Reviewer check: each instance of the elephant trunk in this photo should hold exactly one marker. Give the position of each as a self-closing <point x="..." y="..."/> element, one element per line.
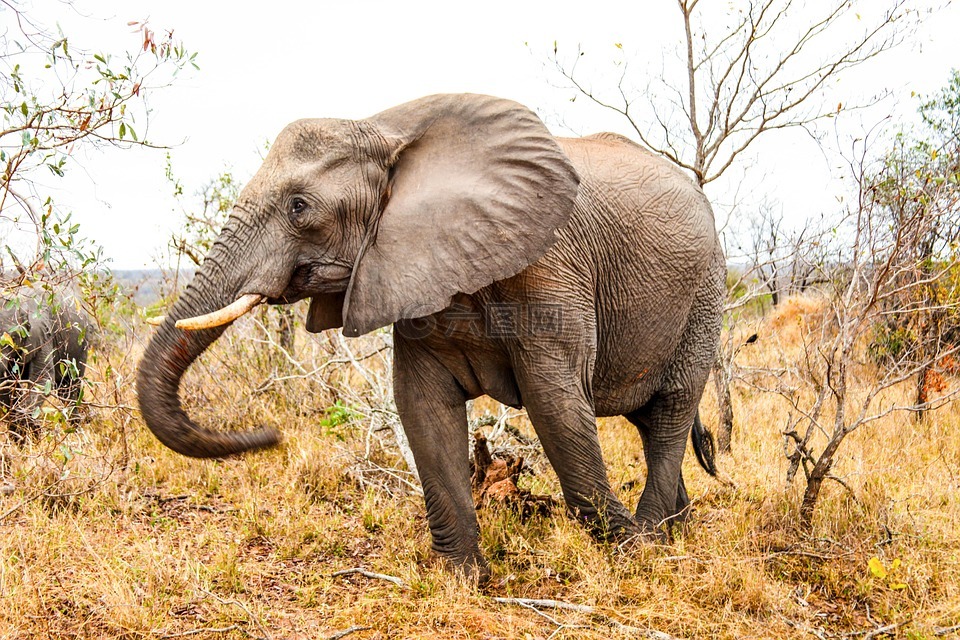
<point x="171" y="351"/>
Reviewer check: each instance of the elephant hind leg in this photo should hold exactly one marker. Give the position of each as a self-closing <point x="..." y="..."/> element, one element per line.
<point x="664" y="500"/>
<point x="668" y="417"/>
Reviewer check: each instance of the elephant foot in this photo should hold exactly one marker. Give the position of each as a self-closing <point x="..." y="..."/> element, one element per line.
<point x="654" y="518"/>
<point x="660" y="529"/>
<point x="472" y="568"/>
<point x="612" y="524"/>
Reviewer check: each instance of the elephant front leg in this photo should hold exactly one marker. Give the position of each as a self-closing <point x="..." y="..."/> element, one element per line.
<point x="12" y="399"/>
<point x="41" y="380"/>
<point x="432" y="408"/>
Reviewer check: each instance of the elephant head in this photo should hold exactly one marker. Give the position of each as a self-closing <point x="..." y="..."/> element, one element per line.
<point x="375" y="220"/>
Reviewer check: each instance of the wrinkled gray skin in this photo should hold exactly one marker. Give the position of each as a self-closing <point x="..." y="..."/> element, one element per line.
<point x="445" y="216"/>
<point x="48" y="334"/>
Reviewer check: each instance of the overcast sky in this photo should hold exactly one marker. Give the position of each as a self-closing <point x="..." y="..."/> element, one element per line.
<point x="264" y="66"/>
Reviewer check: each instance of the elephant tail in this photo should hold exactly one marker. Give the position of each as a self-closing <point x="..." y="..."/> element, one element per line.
<point x="703" y="446"/>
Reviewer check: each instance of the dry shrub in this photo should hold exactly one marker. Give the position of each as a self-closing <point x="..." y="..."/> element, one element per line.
<point x="795" y="318"/>
<point x="142" y="542"/>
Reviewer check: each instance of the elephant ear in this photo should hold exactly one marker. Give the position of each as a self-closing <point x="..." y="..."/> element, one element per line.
<point x="477" y="189"/>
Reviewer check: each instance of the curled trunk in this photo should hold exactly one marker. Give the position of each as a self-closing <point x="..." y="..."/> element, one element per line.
<point x="171" y="351"/>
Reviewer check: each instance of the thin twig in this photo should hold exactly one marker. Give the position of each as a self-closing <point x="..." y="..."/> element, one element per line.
<point x="802" y="554"/>
<point x="346" y="632"/>
<point x="884" y="630"/>
<point x="194" y="632"/>
<point x="250" y="617"/>
<point x="369" y="574"/>
<point x="534" y="604"/>
<point x="942" y="631"/>
<point x="33" y="496"/>
<point x="546" y="604"/>
<point x="560" y="626"/>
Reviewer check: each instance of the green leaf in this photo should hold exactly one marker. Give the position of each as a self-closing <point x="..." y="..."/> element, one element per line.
<point x="24" y="110"/>
<point x="123" y="130"/>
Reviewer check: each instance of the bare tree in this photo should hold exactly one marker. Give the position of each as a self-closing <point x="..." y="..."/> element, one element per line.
<point x="773" y="262"/>
<point x="833" y="387"/>
<point x="760" y="68"/>
<point x="765" y="70"/>
<point x="784" y="259"/>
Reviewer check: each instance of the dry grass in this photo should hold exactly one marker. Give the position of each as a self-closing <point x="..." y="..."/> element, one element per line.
<point x="108" y="534"/>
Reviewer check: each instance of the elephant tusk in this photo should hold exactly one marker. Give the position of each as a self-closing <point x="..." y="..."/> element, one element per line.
<point x="229" y="313"/>
<point x="155" y="321"/>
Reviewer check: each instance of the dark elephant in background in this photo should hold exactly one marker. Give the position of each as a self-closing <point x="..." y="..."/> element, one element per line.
<point x="574" y="277"/>
<point x="44" y="341"/>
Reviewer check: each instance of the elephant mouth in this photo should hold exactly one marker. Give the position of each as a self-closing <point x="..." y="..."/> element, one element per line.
<point x="312" y="279"/>
<point x="306" y="281"/>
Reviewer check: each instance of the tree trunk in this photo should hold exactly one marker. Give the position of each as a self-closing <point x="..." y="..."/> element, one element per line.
<point x="721" y="380"/>
<point x="923" y="389"/>
<point x="815" y="480"/>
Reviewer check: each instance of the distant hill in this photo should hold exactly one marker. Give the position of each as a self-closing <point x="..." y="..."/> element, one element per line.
<point x="146" y="285"/>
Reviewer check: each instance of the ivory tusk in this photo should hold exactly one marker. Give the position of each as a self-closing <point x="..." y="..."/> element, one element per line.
<point x="229" y="313"/>
<point x="156" y="321"/>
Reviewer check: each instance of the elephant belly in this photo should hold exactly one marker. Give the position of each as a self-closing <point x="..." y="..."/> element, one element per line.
<point x="631" y="368"/>
<point x="459" y="338"/>
<point x="639" y="331"/>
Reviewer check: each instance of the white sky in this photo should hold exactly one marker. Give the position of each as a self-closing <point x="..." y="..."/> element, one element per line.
<point x="266" y="65"/>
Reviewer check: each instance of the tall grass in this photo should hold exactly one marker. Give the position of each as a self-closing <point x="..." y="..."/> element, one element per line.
<point x="108" y="534"/>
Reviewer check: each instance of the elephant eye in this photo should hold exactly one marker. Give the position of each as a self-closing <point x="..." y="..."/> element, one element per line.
<point x="297" y="205"/>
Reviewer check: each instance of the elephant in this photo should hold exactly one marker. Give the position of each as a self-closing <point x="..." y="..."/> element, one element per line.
<point x="575" y="277"/>
<point x="45" y="340"/>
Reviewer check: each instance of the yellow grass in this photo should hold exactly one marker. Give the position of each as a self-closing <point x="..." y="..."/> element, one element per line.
<point x="108" y="534"/>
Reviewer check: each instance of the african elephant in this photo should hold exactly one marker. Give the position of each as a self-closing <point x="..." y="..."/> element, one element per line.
<point x="44" y="342"/>
<point x="574" y="277"/>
